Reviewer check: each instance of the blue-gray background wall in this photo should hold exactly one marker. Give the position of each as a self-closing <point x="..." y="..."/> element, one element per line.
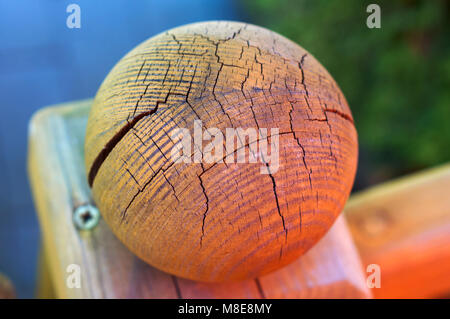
<point x="42" y="62"/>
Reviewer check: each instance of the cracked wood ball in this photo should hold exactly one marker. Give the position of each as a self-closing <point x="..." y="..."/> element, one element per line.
<point x="223" y="221"/>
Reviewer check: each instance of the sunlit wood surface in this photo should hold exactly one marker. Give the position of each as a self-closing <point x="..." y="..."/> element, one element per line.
<point x="220" y="221"/>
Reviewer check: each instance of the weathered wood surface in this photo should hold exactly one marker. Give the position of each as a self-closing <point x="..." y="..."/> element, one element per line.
<point x="331" y="269"/>
<point x="220" y="221"/>
<point x="404" y="226"/>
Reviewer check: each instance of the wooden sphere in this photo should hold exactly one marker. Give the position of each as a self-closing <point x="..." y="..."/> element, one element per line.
<point x="221" y="221"/>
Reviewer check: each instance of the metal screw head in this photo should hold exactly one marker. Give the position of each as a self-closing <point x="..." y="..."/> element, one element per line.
<point x="86" y="217"/>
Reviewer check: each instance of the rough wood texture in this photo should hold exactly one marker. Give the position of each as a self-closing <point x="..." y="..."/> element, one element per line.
<point x="217" y="222"/>
<point x="6" y="288"/>
<point x="331" y="269"/>
<point x="404" y="226"/>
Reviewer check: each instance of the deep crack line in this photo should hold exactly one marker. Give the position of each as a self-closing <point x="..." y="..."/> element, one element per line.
<point x="341" y="114"/>
<point x="300" y="145"/>
<point x="101" y="157"/>
<point x="300" y="66"/>
<point x="207" y="205"/>
<point x="107" y="149"/>
<point x="269" y="173"/>
<point x="274" y="185"/>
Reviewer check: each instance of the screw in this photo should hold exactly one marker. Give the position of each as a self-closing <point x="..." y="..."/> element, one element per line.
<point x="86" y="217"/>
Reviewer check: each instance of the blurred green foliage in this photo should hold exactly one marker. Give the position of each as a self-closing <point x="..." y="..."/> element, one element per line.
<point x="396" y="79"/>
